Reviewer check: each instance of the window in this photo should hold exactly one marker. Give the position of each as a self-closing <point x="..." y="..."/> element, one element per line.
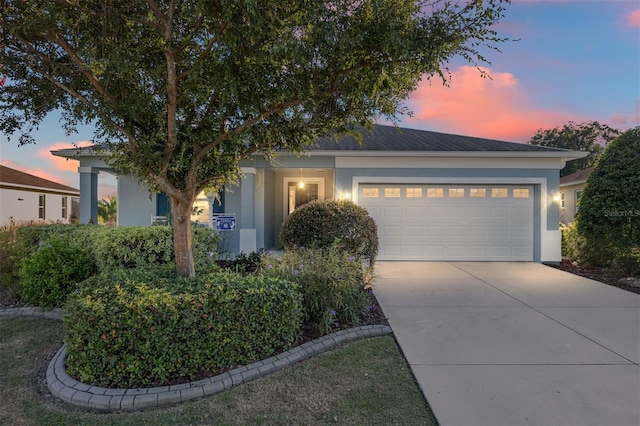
<point x="562" y="200"/>
<point x="414" y="192"/>
<point x="41" y="206"/>
<point x="498" y="192"/>
<point x="370" y="192"/>
<point x="392" y="192"/>
<point x="456" y="192"/>
<point x="521" y="193"/>
<point x="435" y="192"/>
<point x="478" y="192"/>
<point x="64" y="208"/>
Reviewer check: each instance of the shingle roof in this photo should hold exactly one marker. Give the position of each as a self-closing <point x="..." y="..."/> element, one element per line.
<point x="578" y="177"/>
<point x="16" y="177"/>
<point x="390" y="138"/>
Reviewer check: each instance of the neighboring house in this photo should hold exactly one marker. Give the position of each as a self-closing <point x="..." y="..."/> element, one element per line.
<point x="433" y="196"/>
<point x="28" y="198"/>
<point x="571" y="187"/>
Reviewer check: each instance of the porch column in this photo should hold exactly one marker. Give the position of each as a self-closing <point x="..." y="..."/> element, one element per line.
<point x="88" y="194"/>
<point x="247" y="208"/>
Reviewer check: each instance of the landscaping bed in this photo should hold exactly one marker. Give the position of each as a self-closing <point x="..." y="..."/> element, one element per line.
<point x="596" y="273"/>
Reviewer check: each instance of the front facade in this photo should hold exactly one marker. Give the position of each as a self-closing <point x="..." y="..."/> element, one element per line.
<point x="433" y="196"/>
<point x="28" y="198"/>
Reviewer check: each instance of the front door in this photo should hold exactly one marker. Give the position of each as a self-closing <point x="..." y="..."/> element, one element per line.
<point x="301" y="193"/>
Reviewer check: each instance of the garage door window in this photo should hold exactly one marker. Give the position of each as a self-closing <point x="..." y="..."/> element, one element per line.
<point x="414" y="192"/>
<point x="521" y="193"/>
<point x="392" y="192"/>
<point x="478" y="192"/>
<point x="371" y="192"/>
<point x="456" y="192"/>
<point x="435" y="193"/>
<point x="499" y="193"/>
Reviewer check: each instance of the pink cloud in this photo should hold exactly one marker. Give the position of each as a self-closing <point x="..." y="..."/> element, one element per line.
<point x="496" y="108"/>
<point x="632" y="20"/>
<point x="39" y="172"/>
<point x="60" y="163"/>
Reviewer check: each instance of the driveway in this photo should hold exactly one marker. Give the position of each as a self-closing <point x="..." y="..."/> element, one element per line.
<point x="497" y="343"/>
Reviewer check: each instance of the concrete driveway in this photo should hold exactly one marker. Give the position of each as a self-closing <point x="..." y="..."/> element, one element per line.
<point x="515" y="343"/>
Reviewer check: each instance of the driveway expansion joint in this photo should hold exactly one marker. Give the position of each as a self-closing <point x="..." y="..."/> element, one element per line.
<point x="74" y="392"/>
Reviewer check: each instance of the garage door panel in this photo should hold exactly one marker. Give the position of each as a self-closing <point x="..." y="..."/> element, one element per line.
<point x="432" y="224"/>
<point x="414" y="231"/>
<point x="392" y="211"/>
<point x="414" y="211"/>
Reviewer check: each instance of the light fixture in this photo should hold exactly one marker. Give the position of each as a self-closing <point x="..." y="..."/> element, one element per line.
<point x="555" y="196"/>
<point x="301" y="183"/>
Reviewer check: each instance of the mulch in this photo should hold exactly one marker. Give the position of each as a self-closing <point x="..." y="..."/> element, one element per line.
<point x="596" y="273"/>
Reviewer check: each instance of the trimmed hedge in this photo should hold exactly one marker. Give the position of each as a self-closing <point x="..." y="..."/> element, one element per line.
<point x="148" y="327"/>
<point x="323" y="224"/>
<point x="143" y="246"/>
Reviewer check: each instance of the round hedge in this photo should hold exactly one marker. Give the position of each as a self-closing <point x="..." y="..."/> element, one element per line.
<point x="323" y="224"/>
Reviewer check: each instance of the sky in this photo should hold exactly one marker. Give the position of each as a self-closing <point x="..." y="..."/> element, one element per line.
<point x="569" y="60"/>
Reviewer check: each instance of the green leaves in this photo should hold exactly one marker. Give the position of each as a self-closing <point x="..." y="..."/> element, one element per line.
<point x="181" y="92"/>
<point x="147" y="328"/>
<point x="610" y="204"/>
<point x="592" y="137"/>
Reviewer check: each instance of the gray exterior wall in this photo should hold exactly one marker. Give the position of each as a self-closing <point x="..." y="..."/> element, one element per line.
<point x="136" y="205"/>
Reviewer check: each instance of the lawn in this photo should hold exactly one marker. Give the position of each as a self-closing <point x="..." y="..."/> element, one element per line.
<point x="363" y="383"/>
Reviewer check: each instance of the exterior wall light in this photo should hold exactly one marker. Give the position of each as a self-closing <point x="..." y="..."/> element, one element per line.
<point x="555" y="196"/>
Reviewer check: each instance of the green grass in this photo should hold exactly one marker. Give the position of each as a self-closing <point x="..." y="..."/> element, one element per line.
<point x="363" y="383"/>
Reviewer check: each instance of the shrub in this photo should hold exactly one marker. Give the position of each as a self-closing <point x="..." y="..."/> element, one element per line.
<point x="49" y="275"/>
<point x="320" y="224"/>
<point x="12" y="252"/>
<point x="576" y="247"/>
<point x="146" y="327"/>
<point x="333" y="285"/>
<point x="142" y="246"/>
<point x="243" y="263"/>
<point x="32" y="236"/>
<point x="610" y="204"/>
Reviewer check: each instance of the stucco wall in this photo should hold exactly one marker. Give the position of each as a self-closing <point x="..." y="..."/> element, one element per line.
<point x="136" y="205"/>
<point x="22" y="206"/>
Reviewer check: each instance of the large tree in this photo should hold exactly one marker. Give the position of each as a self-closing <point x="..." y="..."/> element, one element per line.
<point x="591" y="137"/>
<point x="181" y="91"/>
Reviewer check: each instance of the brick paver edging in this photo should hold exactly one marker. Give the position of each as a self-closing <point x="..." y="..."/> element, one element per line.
<point x="70" y="390"/>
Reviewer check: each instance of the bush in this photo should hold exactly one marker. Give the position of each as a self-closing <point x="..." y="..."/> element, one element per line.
<point x="12" y="252"/>
<point x="576" y="247"/>
<point x="322" y="224"/>
<point x="32" y="236"/>
<point x="148" y="327"/>
<point x="50" y="274"/>
<point x="333" y="285"/>
<point x="143" y="246"/>
<point x="610" y="202"/>
<point x="609" y="215"/>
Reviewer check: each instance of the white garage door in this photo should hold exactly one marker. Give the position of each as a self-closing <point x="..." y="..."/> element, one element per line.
<point x="451" y="222"/>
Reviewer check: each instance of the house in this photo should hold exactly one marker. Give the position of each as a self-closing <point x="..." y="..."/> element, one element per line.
<point x="571" y="187"/>
<point x="28" y="198"/>
<point x="434" y="196"/>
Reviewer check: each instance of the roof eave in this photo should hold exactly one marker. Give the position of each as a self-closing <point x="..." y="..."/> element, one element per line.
<point x="566" y="155"/>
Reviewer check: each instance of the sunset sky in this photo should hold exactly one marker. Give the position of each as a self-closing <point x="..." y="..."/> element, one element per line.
<point x="575" y="60"/>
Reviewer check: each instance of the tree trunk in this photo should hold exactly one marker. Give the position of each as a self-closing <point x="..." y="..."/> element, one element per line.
<point x="182" y="238"/>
